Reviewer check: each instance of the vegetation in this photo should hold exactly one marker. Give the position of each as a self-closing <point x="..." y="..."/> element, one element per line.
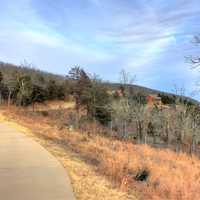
<point x="90" y="94"/>
<point x="107" y="122"/>
<point x="61" y="85"/>
<point x="24" y="86"/>
<point x="141" y="172"/>
<point x="123" y="112"/>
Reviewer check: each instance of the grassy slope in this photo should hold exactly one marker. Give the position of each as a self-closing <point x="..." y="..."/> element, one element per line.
<point x="87" y="183"/>
<point x="99" y="165"/>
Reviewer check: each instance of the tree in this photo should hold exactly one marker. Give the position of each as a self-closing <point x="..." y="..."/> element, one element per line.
<point x="39" y="94"/>
<point x="123" y="107"/>
<point x="166" y="99"/>
<point x="126" y="81"/>
<point x="24" y="90"/>
<point x="67" y="88"/>
<point x="12" y="89"/>
<point x="1" y="77"/>
<point x="1" y="86"/>
<point x="121" y="116"/>
<point x="52" y="89"/>
<point x="90" y="94"/>
<point x="81" y="85"/>
<point x="61" y="92"/>
<point x="98" y="102"/>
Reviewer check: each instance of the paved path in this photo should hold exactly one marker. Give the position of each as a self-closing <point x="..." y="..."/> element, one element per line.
<point x="28" y="171"/>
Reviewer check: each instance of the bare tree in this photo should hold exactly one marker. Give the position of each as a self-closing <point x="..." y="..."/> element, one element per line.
<point x="122" y="115"/>
<point x="1" y="86"/>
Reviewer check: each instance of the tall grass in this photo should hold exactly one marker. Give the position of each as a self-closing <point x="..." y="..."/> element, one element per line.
<point x="153" y="173"/>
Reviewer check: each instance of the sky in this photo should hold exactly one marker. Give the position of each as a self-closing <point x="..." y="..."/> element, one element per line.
<point x="150" y="39"/>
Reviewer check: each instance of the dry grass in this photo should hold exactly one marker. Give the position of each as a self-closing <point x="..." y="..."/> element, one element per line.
<point x="169" y="175"/>
<point x="52" y="105"/>
<point x="86" y="182"/>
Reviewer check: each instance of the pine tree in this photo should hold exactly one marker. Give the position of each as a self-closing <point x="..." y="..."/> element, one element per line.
<point x="81" y="85"/>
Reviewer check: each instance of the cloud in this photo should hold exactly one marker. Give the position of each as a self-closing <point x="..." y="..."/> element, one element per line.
<point x="36" y="37"/>
<point x="142" y="36"/>
<point x="95" y="2"/>
<point x="149" y="52"/>
<point x="151" y="21"/>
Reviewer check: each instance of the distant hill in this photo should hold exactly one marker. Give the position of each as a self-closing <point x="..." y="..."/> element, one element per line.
<point x="141" y="90"/>
<point x="10" y="70"/>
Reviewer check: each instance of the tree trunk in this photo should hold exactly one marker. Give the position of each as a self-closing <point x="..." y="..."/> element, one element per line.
<point x="140" y="131"/>
<point x="33" y="106"/>
<point x="77" y="113"/>
<point x="178" y="145"/>
<point x="9" y="98"/>
<point x="125" y="129"/>
<point x="193" y="145"/>
<point x="111" y="126"/>
<point x="0" y="98"/>
<point x="145" y="138"/>
<point x="154" y="137"/>
<point x="77" y="118"/>
<point x="167" y="136"/>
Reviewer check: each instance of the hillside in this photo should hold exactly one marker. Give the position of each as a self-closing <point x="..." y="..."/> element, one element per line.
<point x="37" y="75"/>
<point x="9" y="70"/>
<point x="146" y="151"/>
<point x="141" y="90"/>
<point x="110" y="169"/>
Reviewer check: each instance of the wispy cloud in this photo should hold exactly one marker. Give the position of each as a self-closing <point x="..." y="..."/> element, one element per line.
<point x="104" y="35"/>
<point x="96" y="2"/>
<point x="149" y="53"/>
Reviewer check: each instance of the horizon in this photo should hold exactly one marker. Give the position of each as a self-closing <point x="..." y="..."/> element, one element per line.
<point x="180" y="92"/>
<point x="104" y="37"/>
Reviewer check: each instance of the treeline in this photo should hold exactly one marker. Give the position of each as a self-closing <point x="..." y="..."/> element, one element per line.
<point x="21" y="90"/>
<point x="143" y="92"/>
<point x="53" y="86"/>
<point x="23" y="86"/>
<point x="123" y="112"/>
<point x="175" y="126"/>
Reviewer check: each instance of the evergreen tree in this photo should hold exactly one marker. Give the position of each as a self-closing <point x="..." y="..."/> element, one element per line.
<point x="98" y="102"/>
<point x="90" y="94"/>
<point x="52" y="90"/>
<point x="81" y="85"/>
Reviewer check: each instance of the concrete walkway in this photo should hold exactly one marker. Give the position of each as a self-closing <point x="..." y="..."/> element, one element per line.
<point x="28" y="171"/>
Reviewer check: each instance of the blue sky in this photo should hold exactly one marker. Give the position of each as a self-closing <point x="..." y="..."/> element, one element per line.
<point x="148" y="38"/>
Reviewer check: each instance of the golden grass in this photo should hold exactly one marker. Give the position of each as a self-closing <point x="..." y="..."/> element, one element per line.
<point x="52" y="105"/>
<point x="89" y="159"/>
<point x="87" y="183"/>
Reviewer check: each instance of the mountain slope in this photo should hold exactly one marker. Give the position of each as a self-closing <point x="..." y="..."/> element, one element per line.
<point x="9" y="70"/>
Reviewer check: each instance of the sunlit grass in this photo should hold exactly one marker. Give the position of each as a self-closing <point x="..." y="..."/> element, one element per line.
<point x="92" y="160"/>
